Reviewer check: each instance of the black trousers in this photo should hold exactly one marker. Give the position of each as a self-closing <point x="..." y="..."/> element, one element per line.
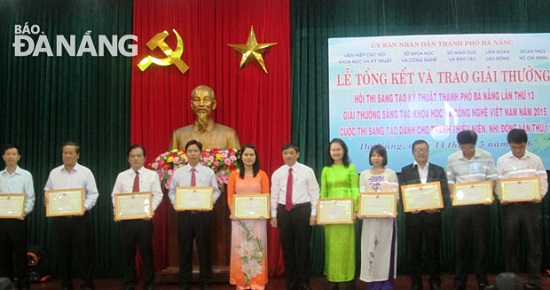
<point x="74" y="234"/>
<point x="295" y="233"/>
<point x="194" y="226"/>
<point x="472" y="228"/>
<point x="137" y="234"/>
<point x="424" y="227"/>
<point x="13" y="244"/>
<point x="522" y="221"/>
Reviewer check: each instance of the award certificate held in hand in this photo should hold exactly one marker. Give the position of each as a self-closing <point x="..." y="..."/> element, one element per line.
<point x="133" y="206"/>
<point x="378" y="204"/>
<point x="65" y="202"/>
<point x="335" y="211"/>
<point x="473" y="193"/>
<point x="12" y="205"/>
<point x="251" y="206"/>
<point x="520" y="189"/>
<point x="194" y="198"/>
<point x="422" y="196"/>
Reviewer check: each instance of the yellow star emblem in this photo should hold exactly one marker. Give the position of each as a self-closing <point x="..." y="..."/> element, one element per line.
<point x="252" y="50"/>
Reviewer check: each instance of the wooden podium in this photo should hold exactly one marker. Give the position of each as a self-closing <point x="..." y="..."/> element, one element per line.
<point x="220" y="250"/>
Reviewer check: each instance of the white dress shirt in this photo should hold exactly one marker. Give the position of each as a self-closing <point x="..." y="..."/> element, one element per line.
<point x="20" y="181"/>
<point x="79" y="177"/>
<point x="304" y="187"/>
<point x="204" y="176"/>
<point x="148" y="182"/>
<point x="422" y="172"/>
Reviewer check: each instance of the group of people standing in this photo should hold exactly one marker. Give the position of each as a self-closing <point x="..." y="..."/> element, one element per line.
<point x="472" y="223"/>
<point x="294" y="193"/>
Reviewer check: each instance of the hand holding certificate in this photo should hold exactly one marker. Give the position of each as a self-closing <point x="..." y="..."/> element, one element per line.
<point x="193" y="198"/>
<point x="378" y="204"/>
<point x="12" y="206"/>
<point x="251" y="206"/>
<point x="65" y="202"/>
<point x="525" y="189"/>
<point x="335" y="211"/>
<point x="473" y="193"/>
<point x="132" y="206"/>
<point x="426" y="196"/>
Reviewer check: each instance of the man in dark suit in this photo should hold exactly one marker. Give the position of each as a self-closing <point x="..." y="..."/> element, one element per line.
<point x="425" y="224"/>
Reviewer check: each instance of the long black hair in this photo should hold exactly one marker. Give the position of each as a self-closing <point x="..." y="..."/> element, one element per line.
<point x="255" y="166"/>
<point x="345" y="158"/>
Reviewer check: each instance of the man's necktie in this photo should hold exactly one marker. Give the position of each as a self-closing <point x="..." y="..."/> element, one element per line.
<point x="288" y="204"/>
<point x="193" y="177"/>
<point x="135" y="188"/>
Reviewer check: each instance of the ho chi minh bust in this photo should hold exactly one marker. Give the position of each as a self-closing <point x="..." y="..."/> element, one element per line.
<point x="205" y="130"/>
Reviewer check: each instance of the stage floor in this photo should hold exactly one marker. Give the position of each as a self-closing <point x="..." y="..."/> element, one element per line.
<point x="317" y="283"/>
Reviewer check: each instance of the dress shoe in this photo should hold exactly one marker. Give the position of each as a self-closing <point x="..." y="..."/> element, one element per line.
<point x="486" y="286"/>
<point x="435" y="286"/>
<point x="532" y="287"/>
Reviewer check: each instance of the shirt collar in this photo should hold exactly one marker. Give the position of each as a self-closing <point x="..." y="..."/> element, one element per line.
<point x="17" y="171"/>
<point x="416" y="165"/>
<point x="75" y="168"/>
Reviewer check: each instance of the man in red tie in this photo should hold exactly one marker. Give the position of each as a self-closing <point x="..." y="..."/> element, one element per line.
<point x="294" y="197"/>
<point x="194" y="225"/>
<point x="137" y="233"/>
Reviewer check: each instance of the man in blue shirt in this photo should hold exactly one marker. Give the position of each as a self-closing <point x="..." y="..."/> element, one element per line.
<point x="13" y="232"/>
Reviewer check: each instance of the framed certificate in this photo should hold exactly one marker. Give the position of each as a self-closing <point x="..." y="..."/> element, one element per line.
<point x="12" y="206"/>
<point x="133" y="206"/>
<point x="193" y="198"/>
<point x="473" y="193"/>
<point x="335" y="211"/>
<point x="251" y="206"/>
<point x="520" y="189"/>
<point x="422" y="196"/>
<point x="378" y="204"/>
<point x="65" y="202"/>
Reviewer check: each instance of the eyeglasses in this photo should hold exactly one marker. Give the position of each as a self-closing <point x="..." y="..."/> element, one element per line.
<point x="423" y="150"/>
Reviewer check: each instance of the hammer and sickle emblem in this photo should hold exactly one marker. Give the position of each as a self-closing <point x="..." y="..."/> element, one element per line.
<point x="172" y="57"/>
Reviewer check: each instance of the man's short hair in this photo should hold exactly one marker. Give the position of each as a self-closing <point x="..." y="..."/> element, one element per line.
<point x="136" y="146"/>
<point x="71" y="143"/>
<point x="10" y="146"/>
<point x="517" y="136"/>
<point x="466" y="137"/>
<point x="291" y="145"/>
<point x="418" y="142"/>
<point x="193" y="142"/>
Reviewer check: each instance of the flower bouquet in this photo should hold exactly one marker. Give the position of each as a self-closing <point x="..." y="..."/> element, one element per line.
<point x="221" y="161"/>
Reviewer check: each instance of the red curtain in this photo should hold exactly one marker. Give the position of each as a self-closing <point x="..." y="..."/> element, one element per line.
<point x="255" y="104"/>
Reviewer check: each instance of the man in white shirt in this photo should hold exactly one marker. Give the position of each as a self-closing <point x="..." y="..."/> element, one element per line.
<point x="294" y="197"/>
<point x="472" y="223"/>
<point x="521" y="220"/>
<point x="137" y="233"/>
<point x="74" y="230"/>
<point x="13" y="232"/>
<point x="194" y="225"/>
